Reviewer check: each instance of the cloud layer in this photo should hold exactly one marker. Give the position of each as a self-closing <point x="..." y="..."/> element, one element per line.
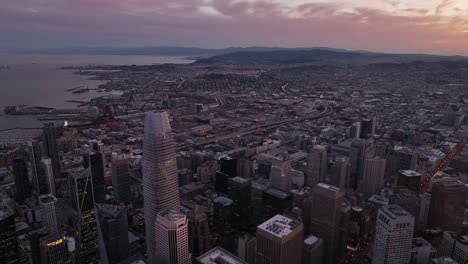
<point x="386" y="25"/>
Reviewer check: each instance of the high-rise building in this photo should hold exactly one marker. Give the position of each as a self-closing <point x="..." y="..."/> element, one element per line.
<point x="240" y="192"/>
<point x="359" y="227"/>
<point x="48" y="203"/>
<point x="421" y="251"/>
<point x="35" y="157"/>
<point x="223" y="214"/>
<point x="275" y="202"/>
<point x="247" y="248"/>
<point x="94" y="161"/>
<point x="82" y="198"/>
<point x="317" y="165"/>
<point x="280" y="177"/>
<point x="447" y="207"/>
<point x="367" y="128"/>
<point x="280" y="241"/>
<point x="340" y="172"/>
<point x="50" y="148"/>
<point x="373" y="176"/>
<point x="360" y="150"/>
<point x="48" y="171"/>
<point x="325" y="219"/>
<point x="8" y="239"/>
<point x="198" y="232"/>
<point x="312" y="252"/>
<point x="121" y="181"/>
<point x="355" y="131"/>
<point x="160" y="181"/>
<point x="54" y="249"/>
<point x="345" y="214"/>
<point x="455" y="246"/>
<point x="219" y="255"/>
<point x="20" y="171"/>
<point x="112" y="226"/>
<point x="443" y="260"/>
<point x="393" y="236"/>
<point x="409" y="179"/>
<point x="172" y="238"/>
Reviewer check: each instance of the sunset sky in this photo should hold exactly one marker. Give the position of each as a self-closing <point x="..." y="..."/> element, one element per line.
<point x="429" y="26"/>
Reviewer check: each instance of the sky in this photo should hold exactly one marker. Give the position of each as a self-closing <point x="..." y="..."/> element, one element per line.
<point x="404" y="26"/>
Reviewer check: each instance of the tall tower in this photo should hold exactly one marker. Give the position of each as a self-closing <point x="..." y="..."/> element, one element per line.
<point x="279" y="241"/>
<point x="373" y="176"/>
<point x="340" y="173"/>
<point x="112" y="225"/>
<point x="35" y="157"/>
<point x="48" y="203"/>
<point x="447" y="205"/>
<point x="198" y="232"/>
<point x="20" y="171"/>
<point x="121" y="181"/>
<point x="8" y="240"/>
<point x="172" y="236"/>
<point x="325" y="219"/>
<point x="50" y="147"/>
<point x="160" y="180"/>
<point x="96" y="165"/>
<point x="280" y="177"/>
<point x="393" y="235"/>
<point x="240" y="191"/>
<point x="53" y="248"/>
<point x="48" y="171"/>
<point x="317" y="166"/>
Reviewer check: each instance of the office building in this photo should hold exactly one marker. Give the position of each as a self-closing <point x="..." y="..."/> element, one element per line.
<point x="275" y="202"/>
<point x="112" y="227"/>
<point x="280" y="177"/>
<point x="240" y="192"/>
<point x="54" y="249"/>
<point x="373" y="176"/>
<point x="393" y="236"/>
<point x="8" y="239"/>
<point x="360" y="150"/>
<point x="223" y="215"/>
<point x="421" y="251"/>
<point x="443" y="260"/>
<point x="172" y="238"/>
<point x="94" y="161"/>
<point x="48" y="172"/>
<point x="198" y="232"/>
<point x="219" y="255"/>
<point x="280" y="241"/>
<point x="359" y="227"/>
<point x="409" y="179"/>
<point x="121" y="181"/>
<point x="247" y="248"/>
<point x="447" y="207"/>
<point x="50" y="148"/>
<point x="340" y="172"/>
<point x="38" y="181"/>
<point x="20" y="171"/>
<point x="325" y="219"/>
<point x="160" y="181"/>
<point x="48" y="204"/>
<point x="355" y="130"/>
<point x="317" y="165"/>
<point x="455" y="246"/>
<point x="345" y="214"/>
<point x="312" y="252"/>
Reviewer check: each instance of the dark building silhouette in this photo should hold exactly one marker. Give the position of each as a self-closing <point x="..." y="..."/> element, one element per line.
<point x="240" y="192"/>
<point x="95" y="162"/>
<point x="20" y="171"/>
<point x="8" y="240"/>
<point x="39" y="180"/>
<point x="198" y="233"/>
<point x="50" y="148"/>
<point x="222" y="223"/>
<point x="447" y="205"/>
<point x="275" y="202"/>
<point x="228" y="166"/>
<point x="221" y="182"/>
<point x="409" y="179"/>
<point x="112" y="225"/>
<point x="121" y="181"/>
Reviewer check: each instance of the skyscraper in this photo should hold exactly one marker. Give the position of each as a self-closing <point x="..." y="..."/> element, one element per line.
<point x="312" y="252"/>
<point x="325" y="219"/>
<point x="360" y="151"/>
<point x="393" y="236"/>
<point x="160" y="180"/>
<point x="48" y="171"/>
<point x="121" y="181"/>
<point x="240" y="192"/>
<point x="8" y="239"/>
<point x="38" y="180"/>
<point x="50" y="148"/>
<point x="53" y="248"/>
<point x="48" y="204"/>
<point x="94" y="161"/>
<point x="20" y="171"/>
<point x="223" y="222"/>
<point x="454" y="245"/>
<point x="447" y="205"/>
<point x="172" y="238"/>
<point x="317" y="165"/>
<point x="279" y="241"/>
<point x="198" y="232"/>
<point x="280" y="177"/>
<point x="219" y="255"/>
<point x="373" y="176"/>
<point x="112" y="226"/>
<point x="340" y="173"/>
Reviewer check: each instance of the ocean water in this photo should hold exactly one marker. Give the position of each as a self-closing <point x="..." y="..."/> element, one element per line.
<point x="38" y="80"/>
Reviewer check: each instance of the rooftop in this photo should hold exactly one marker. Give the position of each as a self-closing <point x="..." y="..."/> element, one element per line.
<point x="444" y="260"/>
<point x="311" y="240"/>
<point x="219" y="255"/>
<point x="5" y="212"/>
<point x="47" y="198"/>
<point x="223" y="200"/>
<point x="410" y="173"/>
<point x="239" y="179"/>
<point x="171" y="215"/>
<point x="279" y="225"/>
<point x="277" y="193"/>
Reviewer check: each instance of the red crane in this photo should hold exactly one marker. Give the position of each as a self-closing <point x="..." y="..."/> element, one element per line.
<point x="444" y="162"/>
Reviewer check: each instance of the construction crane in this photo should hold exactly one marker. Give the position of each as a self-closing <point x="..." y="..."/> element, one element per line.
<point x="444" y="162"/>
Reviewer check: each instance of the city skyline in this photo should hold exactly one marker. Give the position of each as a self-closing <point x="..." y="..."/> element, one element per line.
<point x="405" y="26"/>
